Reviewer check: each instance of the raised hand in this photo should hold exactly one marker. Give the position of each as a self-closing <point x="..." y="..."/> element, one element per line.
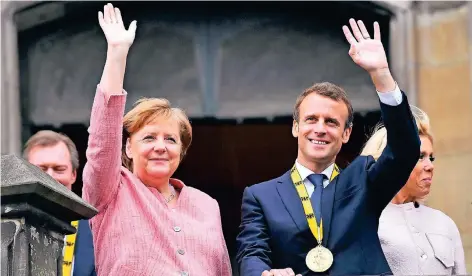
<point x="112" y="25"/>
<point x="366" y="52"/>
<point x="119" y="41"/>
<point x="369" y="54"/>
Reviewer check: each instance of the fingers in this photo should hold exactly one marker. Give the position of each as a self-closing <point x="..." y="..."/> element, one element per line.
<point x="281" y="272"/>
<point x="365" y="33"/>
<point x="376" y="31"/>
<point x="101" y="21"/>
<point x="360" y="31"/>
<point x="348" y="35"/>
<point x="289" y="272"/>
<point x="112" y="13"/>
<point x="132" y="27"/>
<point x="355" y="30"/>
<point x="119" y="20"/>
<point x="267" y="273"/>
<point x="106" y="14"/>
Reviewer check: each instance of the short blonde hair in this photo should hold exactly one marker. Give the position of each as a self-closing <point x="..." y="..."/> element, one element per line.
<point x="378" y="141"/>
<point x="147" y="110"/>
<point x="49" y="138"/>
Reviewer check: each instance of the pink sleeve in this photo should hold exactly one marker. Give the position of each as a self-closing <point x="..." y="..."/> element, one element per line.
<point x="102" y="171"/>
<point x="225" y="262"/>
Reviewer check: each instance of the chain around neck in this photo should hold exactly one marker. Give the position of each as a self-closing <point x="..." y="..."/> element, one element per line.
<point x="172" y="194"/>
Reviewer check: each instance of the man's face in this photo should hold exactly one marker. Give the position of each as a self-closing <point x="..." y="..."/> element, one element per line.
<point x="321" y="129"/>
<point x="55" y="161"/>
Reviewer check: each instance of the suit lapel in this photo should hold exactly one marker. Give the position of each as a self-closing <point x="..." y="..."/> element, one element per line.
<point x="327" y="209"/>
<point x="289" y="196"/>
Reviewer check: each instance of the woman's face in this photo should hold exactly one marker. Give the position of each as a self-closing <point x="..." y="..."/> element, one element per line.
<point x="155" y="150"/>
<point x="421" y="177"/>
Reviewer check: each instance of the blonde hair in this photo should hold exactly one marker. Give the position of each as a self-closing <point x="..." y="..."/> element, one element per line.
<point x="378" y="141"/>
<point x="49" y="138"/>
<point x="146" y="110"/>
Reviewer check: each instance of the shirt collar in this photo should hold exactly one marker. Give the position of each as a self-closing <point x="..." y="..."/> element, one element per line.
<point x="305" y="172"/>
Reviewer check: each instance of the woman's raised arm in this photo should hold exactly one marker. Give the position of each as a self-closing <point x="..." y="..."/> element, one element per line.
<point x="102" y="171"/>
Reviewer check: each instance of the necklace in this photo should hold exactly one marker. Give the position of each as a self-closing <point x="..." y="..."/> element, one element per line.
<point x="172" y="195"/>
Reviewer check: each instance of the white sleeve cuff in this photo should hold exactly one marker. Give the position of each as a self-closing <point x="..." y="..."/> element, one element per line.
<point x="392" y="98"/>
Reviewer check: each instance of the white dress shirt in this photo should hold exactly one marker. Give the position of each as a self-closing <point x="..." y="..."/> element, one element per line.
<point x="392" y="98"/>
<point x="305" y="172"/>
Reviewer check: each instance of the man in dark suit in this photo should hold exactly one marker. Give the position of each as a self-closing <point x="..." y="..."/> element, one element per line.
<point x="315" y="219"/>
<point x="57" y="155"/>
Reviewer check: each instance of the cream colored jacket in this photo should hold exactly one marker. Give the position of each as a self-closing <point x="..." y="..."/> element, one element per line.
<point x="420" y="241"/>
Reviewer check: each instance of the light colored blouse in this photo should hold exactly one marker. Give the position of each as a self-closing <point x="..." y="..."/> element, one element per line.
<point x="136" y="232"/>
<point x="420" y="241"/>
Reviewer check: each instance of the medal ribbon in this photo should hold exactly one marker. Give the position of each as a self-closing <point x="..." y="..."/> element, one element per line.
<point x="316" y="229"/>
<point x="69" y="251"/>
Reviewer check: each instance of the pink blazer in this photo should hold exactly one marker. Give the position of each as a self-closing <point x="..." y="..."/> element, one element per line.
<point x="135" y="232"/>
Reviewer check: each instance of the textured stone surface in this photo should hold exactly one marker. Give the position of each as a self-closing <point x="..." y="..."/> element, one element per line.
<point x="36" y="214"/>
<point x="444" y="91"/>
<point x="26" y="183"/>
<point x="30" y="250"/>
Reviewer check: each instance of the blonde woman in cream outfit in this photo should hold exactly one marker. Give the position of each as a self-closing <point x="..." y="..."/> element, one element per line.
<point x="416" y="239"/>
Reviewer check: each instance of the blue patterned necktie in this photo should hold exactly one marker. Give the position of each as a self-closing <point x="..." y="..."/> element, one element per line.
<point x="317" y="181"/>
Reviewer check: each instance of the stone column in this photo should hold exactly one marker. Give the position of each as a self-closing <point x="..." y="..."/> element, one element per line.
<point x="444" y="47"/>
<point x="36" y="215"/>
<point x="10" y="88"/>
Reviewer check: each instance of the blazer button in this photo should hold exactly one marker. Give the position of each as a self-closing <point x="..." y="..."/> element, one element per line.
<point x="177" y="229"/>
<point x="181" y="251"/>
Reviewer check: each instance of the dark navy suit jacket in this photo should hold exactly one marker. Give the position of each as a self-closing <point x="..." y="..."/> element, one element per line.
<point x="274" y="233"/>
<point x="84" y="261"/>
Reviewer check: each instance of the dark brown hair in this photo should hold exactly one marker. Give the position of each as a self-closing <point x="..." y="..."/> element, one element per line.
<point x="328" y="90"/>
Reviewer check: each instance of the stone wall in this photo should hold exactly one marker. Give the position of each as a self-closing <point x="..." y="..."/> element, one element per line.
<point x="443" y="45"/>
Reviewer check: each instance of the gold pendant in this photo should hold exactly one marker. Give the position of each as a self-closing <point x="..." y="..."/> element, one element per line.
<point x="319" y="259"/>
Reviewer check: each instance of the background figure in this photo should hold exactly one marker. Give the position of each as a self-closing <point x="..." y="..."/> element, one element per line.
<point x="57" y="155"/>
<point x="147" y="223"/>
<point x="416" y="239"/>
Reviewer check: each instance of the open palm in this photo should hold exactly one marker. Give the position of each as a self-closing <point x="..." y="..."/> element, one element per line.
<point x="366" y="52"/>
<point x="112" y="25"/>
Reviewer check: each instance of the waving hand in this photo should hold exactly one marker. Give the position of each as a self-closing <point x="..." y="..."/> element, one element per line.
<point x="112" y="25"/>
<point x="366" y="52"/>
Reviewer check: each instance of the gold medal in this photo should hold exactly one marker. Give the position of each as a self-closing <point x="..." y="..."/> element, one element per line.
<point x="319" y="259"/>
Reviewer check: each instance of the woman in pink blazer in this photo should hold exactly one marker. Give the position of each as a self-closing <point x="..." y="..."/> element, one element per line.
<point x="148" y="223"/>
